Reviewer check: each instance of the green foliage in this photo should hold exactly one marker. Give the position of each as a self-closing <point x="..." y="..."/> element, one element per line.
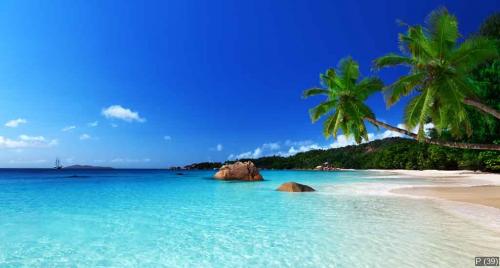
<point x="204" y="165"/>
<point x="344" y="106"/>
<point x="486" y="128"/>
<point x="440" y="73"/>
<point x="491" y="26"/>
<point x="390" y="153"/>
<point x="491" y="160"/>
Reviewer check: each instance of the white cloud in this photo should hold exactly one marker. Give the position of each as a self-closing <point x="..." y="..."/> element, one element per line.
<point x="304" y="148"/>
<point x="85" y="136"/>
<point x="250" y="154"/>
<point x="113" y="125"/>
<point x="298" y="143"/>
<point x="427" y="128"/>
<point x="25" y="141"/>
<point x="16" y="122"/>
<point x="271" y="146"/>
<point x="68" y="128"/>
<point x="342" y="141"/>
<point x="219" y="147"/>
<point x="93" y="124"/>
<point x="290" y="147"/>
<point x="167" y="138"/>
<point x="119" y="112"/>
<point x="31" y="138"/>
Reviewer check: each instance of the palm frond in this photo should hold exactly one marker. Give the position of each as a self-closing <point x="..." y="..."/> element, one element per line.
<point x="414" y="111"/>
<point x="329" y="124"/>
<point x="349" y="71"/>
<point x="368" y="86"/>
<point x="473" y="52"/>
<point x="416" y="43"/>
<point x="321" y="109"/>
<point x="365" y="111"/>
<point x="314" y="92"/>
<point x="454" y="94"/>
<point x="338" y="123"/>
<point x="443" y="30"/>
<point x="327" y="79"/>
<point x="425" y="111"/>
<point x="390" y="60"/>
<point x="402" y="87"/>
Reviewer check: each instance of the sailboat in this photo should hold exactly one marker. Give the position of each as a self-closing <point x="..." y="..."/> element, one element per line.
<point x="58" y="164"/>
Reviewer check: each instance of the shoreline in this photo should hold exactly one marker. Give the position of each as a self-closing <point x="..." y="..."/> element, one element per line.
<point x="467" y="186"/>
<point x="486" y="195"/>
<point x="474" y="196"/>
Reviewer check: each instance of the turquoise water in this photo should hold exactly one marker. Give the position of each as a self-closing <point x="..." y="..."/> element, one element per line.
<point x="159" y="219"/>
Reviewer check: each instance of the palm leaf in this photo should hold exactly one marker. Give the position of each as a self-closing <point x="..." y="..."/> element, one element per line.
<point x="443" y="29"/>
<point x="413" y="111"/>
<point x="390" y="60"/>
<point x="473" y="52"/>
<point x="416" y="43"/>
<point x="314" y="92"/>
<point x="329" y="124"/>
<point x="349" y="72"/>
<point x="425" y="111"/>
<point x="402" y="87"/>
<point x="322" y="109"/>
<point x="338" y="123"/>
<point x="368" y="86"/>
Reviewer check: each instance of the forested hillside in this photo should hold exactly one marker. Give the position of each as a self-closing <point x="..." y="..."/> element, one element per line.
<point x="390" y="153"/>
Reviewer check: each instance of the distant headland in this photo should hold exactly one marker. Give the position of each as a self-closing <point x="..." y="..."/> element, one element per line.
<point x="86" y="167"/>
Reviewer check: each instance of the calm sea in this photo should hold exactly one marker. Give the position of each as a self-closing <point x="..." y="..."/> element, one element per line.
<point x="153" y="218"/>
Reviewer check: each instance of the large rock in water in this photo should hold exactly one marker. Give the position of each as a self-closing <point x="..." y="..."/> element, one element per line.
<point x="245" y="171"/>
<point x="294" y="187"/>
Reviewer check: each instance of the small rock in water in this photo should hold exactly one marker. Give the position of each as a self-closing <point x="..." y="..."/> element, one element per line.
<point x="294" y="187"/>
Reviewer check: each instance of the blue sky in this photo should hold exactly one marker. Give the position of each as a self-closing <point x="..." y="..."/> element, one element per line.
<point x="155" y="84"/>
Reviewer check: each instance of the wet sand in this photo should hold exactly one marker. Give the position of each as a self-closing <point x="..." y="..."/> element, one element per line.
<point x="487" y="195"/>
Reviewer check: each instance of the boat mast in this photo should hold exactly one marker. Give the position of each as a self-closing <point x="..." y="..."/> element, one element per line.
<point x="58" y="164"/>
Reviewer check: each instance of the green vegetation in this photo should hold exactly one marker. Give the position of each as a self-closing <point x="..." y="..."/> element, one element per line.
<point x="441" y="79"/>
<point x="440" y="71"/>
<point x="204" y="165"/>
<point x="344" y="104"/>
<point x="486" y="129"/>
<point x="390" y="153"/>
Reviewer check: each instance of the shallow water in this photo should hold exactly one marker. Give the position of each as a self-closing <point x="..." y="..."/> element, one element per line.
<point x="131" y="218"/>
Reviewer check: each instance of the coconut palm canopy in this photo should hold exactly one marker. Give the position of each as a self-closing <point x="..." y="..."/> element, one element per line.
<point x="440" y="69"/>
<point x="344" y="105"/>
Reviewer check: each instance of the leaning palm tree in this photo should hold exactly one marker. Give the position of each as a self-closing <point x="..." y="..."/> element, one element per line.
<point x="439" y="74"/>
<point x="345" y="108"/>
<point x="345" y="100"/>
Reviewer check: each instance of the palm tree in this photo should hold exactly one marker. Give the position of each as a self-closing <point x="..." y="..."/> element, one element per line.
<point x="345" y="108"/>
<point x="346" y="96"/>
<point x="439" y="73"/>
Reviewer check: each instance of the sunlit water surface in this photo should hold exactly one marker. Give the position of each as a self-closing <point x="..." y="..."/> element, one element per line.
<point x="133" y="218"/>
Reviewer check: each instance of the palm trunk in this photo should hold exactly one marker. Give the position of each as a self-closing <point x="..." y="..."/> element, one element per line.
<point x="482" y="107"/>
<point x="451" y="144"/>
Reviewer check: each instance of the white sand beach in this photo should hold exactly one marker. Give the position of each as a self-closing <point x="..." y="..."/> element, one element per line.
<point x="458" y="185"/>
<point x="467" y="194"/>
